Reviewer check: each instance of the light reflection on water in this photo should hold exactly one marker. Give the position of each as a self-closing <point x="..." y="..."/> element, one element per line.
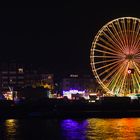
<point x="102" y="129"/>
<point x="116" y="129"/>
<point x="11" y="127"/>
<point x="71" y="129"/>
<point x="74" y="130"/>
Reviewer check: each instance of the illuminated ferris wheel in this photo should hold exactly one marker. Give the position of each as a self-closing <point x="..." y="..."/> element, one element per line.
<point x="115" y="56"/>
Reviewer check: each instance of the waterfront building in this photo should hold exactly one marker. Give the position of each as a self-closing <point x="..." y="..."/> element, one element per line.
<point x="36" y="78"/>
<point x="11" y="76"/>
<point x="15" y="77"/>
<point x="75" y="86"/>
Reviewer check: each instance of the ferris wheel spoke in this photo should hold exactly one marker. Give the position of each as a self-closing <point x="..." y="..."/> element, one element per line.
<point x="114" y="83"/>
<point x="137" y="45"/>
<point x="137" y="60"/>
<point x="111" y="40"/>
<point x="117" y="74"/>
<point x="133" y="33"/>
<point x="105" y="61"/>
<point x="112" y="69"/>
<point x="104" y="56"/>
<point x="137" y="80"/>
<point x="124" y="31"/>
<point x="137" y="67"/>
<point x="106" y="71"/>
<point x="106" y="65"/>
<point x="116" y="39"/>
<point x="105" y="52"/>
<point x="124" y="77"/>
<point x="137" y="55"/>
<point x="108" y="48"/>
<point x="117" y="35"/>
<point x="109" y="75"/>
<point x="136" y="35"/>
<point x="137" y="74"/>
<point x="128" y="32"/>
<point x="119" y="29"/>
<point x="134" y="84"/>
<point x="117" y="78"/>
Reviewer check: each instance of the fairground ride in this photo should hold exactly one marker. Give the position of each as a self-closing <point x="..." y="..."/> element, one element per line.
<point x="115" y="56"/>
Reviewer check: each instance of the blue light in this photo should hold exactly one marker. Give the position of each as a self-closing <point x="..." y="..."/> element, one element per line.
<point x="74" y="130"/>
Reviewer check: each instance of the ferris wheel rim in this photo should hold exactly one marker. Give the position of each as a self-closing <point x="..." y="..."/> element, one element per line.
<point x="94" y="46"/>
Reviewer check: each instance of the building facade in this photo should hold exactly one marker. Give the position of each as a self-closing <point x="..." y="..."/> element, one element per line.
<point x="35" y="78"/>
<point x="77" y="84"/>
<point x="12" y="76"/>
<point x="15" y="76"/>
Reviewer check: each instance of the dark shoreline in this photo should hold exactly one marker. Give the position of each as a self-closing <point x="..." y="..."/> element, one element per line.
<point x="54" y="108"/>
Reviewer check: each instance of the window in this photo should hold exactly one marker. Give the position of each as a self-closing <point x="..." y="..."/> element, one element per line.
<point x="12" y="72"/>
<point x="20" y="70"/>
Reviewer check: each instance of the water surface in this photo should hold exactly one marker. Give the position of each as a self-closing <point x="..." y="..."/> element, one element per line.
<point x="70" y="129"/>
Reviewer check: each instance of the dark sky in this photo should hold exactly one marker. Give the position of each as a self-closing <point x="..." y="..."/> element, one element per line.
<point x="59" y="36"/>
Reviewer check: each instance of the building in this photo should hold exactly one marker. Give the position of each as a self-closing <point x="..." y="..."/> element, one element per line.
<point x="35" y="78"/>
<point x="11" y="76"/>
<point x="79" y="85"/>
<point x="14" y="77"/>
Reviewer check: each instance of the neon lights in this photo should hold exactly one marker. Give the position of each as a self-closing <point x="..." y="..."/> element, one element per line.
<point x="73" y="92"/>
<point x="70" y="92"/>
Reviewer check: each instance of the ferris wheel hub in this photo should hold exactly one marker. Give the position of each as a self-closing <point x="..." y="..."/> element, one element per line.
<point x="130" y="56"/>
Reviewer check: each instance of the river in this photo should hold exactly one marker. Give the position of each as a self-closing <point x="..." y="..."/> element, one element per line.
<point x="70" y="129"/>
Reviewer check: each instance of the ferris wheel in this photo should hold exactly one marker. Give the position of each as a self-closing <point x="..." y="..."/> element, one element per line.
<point x="115" y="56"/>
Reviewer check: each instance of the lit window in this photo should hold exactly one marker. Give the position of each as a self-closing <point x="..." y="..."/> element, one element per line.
<point x="20" y="70"/>
<point x="73" y="75"/>
<point x="49" y="77"/>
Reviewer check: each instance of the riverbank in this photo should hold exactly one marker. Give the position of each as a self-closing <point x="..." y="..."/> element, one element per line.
<point x="61" y="108"/>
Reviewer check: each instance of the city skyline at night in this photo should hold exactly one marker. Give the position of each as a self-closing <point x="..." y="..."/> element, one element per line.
<point x="70" y="70"/>
<point x="58" y="37"/>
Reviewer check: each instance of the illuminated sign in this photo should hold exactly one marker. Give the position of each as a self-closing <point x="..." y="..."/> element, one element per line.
<point x="70" y="92"/>
<point x="73" y="92"/>
<point x="73" y="75"/>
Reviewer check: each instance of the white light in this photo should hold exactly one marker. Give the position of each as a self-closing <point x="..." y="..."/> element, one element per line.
<point x="73" y="92"/>
<point x="73" y="75"/>
<point x="129" y="71"/>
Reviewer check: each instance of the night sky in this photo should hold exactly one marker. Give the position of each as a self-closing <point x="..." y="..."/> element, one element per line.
<point x="59" y="36"/>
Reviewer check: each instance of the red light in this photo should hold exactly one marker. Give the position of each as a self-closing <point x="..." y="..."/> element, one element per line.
<point x="129" y="71"/>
